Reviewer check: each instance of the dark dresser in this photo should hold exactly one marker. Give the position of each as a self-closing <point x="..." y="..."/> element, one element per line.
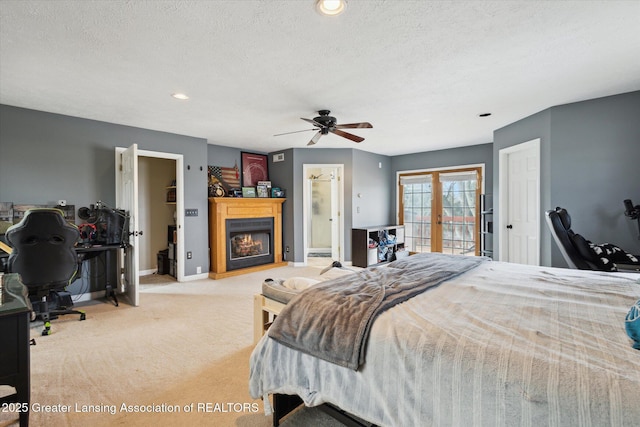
<point x="15" y="310"/>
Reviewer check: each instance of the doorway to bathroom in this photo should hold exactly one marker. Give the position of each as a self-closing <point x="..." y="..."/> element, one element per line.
<point x="323" y="222"/>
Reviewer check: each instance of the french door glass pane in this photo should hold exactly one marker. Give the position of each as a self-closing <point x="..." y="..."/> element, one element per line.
<point x="417" y="214"/>
<point x="459" y="213"/>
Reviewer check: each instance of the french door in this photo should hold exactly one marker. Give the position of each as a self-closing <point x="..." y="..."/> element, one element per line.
<point x="441" y="211"/>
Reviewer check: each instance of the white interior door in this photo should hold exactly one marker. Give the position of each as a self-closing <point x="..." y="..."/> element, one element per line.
<point x="335" y="216"/>
<point x="521" y="223"/>
<point x="128" y="200"/>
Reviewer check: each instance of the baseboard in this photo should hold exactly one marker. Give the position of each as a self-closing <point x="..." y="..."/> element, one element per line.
<point x="329" y="261"/>
<point x="195" y="277"/>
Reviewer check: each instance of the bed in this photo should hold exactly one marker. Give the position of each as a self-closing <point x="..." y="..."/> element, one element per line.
<point x="500" y="344"/>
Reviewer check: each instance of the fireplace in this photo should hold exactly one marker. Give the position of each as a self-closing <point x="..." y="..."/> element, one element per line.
<point x="249" y="242"/>
<point x="256" y="253"/>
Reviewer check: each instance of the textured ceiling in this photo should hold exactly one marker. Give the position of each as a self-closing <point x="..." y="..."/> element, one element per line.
<point x="419" y="71"/>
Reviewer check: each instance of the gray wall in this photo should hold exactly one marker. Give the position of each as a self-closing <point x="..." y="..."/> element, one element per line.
<point x="281" y="174"/>
<point x="218" y="155"/>
<point x="46" y="157"/>
<point x="364" y="176"/>
<point x="373" y="203"/>
<point x="533" y="127"/>
<point x="590" y="159"/>
<point x="288" y="176"/>
<point x="471" y="155"/>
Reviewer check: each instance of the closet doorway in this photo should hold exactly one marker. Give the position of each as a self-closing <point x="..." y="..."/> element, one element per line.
<point x="129" y="195"/>
<point x="323" y="222"/>
<point x="156" y="209"/>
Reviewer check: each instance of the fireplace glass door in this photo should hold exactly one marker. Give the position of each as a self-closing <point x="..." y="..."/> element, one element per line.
<point x="249" y="242"/>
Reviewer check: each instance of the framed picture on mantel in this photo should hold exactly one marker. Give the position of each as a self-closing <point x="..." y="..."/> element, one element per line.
<point x="254" y="169"/>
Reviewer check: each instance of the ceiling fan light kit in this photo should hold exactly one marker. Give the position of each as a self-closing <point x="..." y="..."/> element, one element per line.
<point x="325" y="123"/>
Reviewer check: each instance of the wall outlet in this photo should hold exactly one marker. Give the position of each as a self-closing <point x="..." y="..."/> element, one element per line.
<point x="286" y="249"/>
<point x="198" y="270"/>
<point x="189" y="255"/>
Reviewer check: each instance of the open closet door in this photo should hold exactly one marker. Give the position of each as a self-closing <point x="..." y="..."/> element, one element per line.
<point x="127" y="194"/>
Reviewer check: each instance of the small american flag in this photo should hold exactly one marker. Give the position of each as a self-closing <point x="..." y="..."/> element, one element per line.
<point x="228" y="177"/>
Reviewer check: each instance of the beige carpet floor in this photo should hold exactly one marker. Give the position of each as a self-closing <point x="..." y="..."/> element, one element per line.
<point x="184" y="352"/>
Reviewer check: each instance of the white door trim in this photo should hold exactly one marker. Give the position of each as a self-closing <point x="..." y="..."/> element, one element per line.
<point x="305" y="203"/>
<point x="179" y="159"/>
<point x="503" y="194"/>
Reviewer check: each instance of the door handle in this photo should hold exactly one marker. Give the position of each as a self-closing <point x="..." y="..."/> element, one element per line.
<point x="509" y="226"/>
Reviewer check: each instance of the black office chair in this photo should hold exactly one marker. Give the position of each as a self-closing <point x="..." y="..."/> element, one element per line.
<point x="43" y="254"/>
<point x="582" y="254"/>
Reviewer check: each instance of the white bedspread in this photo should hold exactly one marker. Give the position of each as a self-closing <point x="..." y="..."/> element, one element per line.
<point x="502" y="345"/>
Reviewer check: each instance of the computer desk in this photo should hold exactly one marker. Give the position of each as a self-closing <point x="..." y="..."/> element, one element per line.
<point x="15" y="367"/>
<point x="85" y="253"/>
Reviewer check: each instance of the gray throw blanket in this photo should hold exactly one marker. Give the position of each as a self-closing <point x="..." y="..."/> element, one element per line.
<point x="332" y="320"/>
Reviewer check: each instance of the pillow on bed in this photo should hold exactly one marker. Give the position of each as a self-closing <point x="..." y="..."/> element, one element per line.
<point x="299" y="283"/>
<point x="632" y="324"/>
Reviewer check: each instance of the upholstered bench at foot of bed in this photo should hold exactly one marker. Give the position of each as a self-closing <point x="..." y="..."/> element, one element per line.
<point x="276" y="293"/>
<point x="263" y="309"/>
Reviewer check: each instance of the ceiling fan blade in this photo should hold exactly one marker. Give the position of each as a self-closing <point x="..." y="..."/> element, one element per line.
<point x="313" y="122"/>
<point x="295" y="131"/>
<point x="354" y="125"/>
<point x="350" y="136"/>
<point x="315" y="138"/>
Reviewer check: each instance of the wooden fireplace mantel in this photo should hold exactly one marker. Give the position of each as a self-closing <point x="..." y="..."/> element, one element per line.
<point x="223" y="208"/>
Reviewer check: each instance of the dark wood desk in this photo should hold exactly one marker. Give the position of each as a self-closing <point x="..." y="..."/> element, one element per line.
<point x="87" y="252"/>
<point x="15" y="310"/>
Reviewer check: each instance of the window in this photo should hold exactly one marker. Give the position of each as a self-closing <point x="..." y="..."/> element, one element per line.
<point x="440" y="210"/>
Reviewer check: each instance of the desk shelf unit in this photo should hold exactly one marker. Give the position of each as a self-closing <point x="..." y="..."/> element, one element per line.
<point x="362" y="255"/>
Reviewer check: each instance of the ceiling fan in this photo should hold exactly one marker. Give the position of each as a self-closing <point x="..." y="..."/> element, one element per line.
<point x="325" y="123"/>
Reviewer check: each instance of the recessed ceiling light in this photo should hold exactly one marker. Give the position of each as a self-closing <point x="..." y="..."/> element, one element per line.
<point x="180" y="96"/>
<point x="484" y="114"/>
<point x="331" y="7"/>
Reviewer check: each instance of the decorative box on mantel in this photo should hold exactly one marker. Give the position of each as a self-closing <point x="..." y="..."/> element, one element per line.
<point x="245" y="235"/>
